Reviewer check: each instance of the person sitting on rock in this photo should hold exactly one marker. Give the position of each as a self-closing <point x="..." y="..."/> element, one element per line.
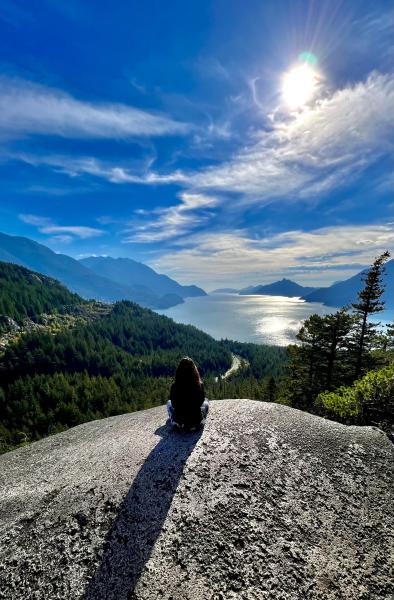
<point x="187" y="407"/>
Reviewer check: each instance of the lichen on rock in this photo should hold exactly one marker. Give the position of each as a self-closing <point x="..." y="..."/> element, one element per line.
<point x="265" y="502"/>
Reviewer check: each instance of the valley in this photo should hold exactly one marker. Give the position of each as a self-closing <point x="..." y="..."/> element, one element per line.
<point x="65" y="360"/>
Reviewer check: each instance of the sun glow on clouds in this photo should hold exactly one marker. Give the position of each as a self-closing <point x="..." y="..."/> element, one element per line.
<point x="314" y="152"/>
<point x="240" y="259"/>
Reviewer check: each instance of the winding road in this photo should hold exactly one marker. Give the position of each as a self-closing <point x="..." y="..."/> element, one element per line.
<point x="237" y="364"/>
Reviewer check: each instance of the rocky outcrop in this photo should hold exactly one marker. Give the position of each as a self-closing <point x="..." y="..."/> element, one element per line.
<point x="266" y="502"/>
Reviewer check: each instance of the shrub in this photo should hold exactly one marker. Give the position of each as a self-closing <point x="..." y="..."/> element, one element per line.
<point x="370" y="401"/>
<point x="341" y="405"/>
<point x="375" y="394"/>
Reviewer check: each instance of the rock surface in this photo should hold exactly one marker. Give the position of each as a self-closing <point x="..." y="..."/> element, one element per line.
<point x="266" y="502"/>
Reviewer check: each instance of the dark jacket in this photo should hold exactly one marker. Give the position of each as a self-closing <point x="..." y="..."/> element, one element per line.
<point x="187" y="404"/>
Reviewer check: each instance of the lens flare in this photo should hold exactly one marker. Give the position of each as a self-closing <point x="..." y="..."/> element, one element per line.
<point x="299" y="86"/>
<point x="308" y="57"/>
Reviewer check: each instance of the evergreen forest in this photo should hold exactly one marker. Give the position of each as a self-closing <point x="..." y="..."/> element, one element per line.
<point x="103" y="360"/>
<point x="65" y="361"/>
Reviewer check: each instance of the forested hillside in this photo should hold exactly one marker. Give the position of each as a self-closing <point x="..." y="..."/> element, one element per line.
<point x="111" y="360"/>
<point x="101" y="360"/>
<point x="76" y="276"/>
<point x="24" y="293"/>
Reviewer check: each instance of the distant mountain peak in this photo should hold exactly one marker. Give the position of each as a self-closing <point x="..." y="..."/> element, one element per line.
<point x="131" y="272"/>
<point x="283" y="287"/>
<point x="342" y="293"/>
<point x="93" y="277"/>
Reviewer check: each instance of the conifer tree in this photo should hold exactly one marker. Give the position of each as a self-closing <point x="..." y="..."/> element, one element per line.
<point x="369" y="303"/>
<point x="390" y="335"/>
<point x="336" y="330"/>
<point x="305" y="364"/>
<point x="271" y="389"/>
<point x="321" y="361"/>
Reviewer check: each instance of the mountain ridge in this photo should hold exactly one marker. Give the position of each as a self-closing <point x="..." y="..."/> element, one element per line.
<point x="342" y="293"/>
<point x="282" y="287"/>
<point x="76" y="276"/>
<point x="27" y="294"/>
<point x="123" y="269"/>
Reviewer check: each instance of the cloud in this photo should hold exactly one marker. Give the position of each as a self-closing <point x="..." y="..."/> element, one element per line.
<point x="209" y="66"/>
<point x="234" y="258"/>
<point x="27" y="108"/>
<point x="302" y="156"/>
<point x="51" y="190"/>
<point x="62" y="233"/>
<point x="171" y="222"/>
<point x="60" y="239"/>
<point x="75" y="167"/>
<point x="317" y="150"/>
<point x="374" y="30"/>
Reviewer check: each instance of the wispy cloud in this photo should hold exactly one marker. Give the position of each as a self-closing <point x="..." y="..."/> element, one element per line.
<point x="316" y="150"/>
<point x="171" y="222"/>
<point x="210" y="66"/>
<point x="63" y="233"/>
<point x="299" y="157"/>
<point x="27" y="108"/>
<point x="318" y="256"/>
<point x="51" y="190"/>
<point x="374" y="30"/>
<point x="92" y="166"/>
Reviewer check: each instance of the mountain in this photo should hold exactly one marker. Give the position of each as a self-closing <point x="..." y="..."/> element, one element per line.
<point x="76" y="276"/>
<point x="130" y="272"/>
<point x="284" y="287"/>
<point x="64" y="361"/>
<point x="24" y="293"/>
<point x="225" y="291"/>
<point x="265" y="502"/>
<point x="345" y="292"/>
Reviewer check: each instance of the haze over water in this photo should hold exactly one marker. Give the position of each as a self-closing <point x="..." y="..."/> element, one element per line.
<point x="259" y="319"/>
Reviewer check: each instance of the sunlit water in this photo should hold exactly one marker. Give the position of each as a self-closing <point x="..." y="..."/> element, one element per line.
<point x="259" y="319"/>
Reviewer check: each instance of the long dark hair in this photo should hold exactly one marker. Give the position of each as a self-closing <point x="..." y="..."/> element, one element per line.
<point x="187" y="375"/>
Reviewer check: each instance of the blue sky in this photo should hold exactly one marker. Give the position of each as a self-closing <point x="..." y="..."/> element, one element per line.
<point x="180" y="134"/>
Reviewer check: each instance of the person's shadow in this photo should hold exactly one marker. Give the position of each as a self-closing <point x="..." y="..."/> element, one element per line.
<point x="131" y="538"/>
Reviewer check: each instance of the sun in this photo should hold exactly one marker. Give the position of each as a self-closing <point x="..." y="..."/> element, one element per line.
<point x="299" y="86"/>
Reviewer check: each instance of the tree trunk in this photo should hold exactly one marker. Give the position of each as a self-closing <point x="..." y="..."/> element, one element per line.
<point x="361" y="347"/>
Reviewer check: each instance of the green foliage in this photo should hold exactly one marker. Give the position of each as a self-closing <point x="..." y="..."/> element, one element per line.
<point x="101" y="360"/>
<point x="336" y="349"/>
<point x="42" y="404"/>
<point x="341" y="405"/>
<point x="369" y="401"/>
<point x="369" y="302"/>
<point x="375" y="394"/>
<point x="130" y="339"/>
<point x="321" y="361"/>
<point x="118" y="360"/>
<point x="390" y="336"/>
<point x="263" y="360"/>
<point x="24" y="293"/>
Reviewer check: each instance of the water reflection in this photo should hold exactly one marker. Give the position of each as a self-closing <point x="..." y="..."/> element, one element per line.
<point x="259" y="319"/>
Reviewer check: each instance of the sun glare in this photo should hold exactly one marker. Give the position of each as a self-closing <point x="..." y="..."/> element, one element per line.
<point x="299" y="86"/>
